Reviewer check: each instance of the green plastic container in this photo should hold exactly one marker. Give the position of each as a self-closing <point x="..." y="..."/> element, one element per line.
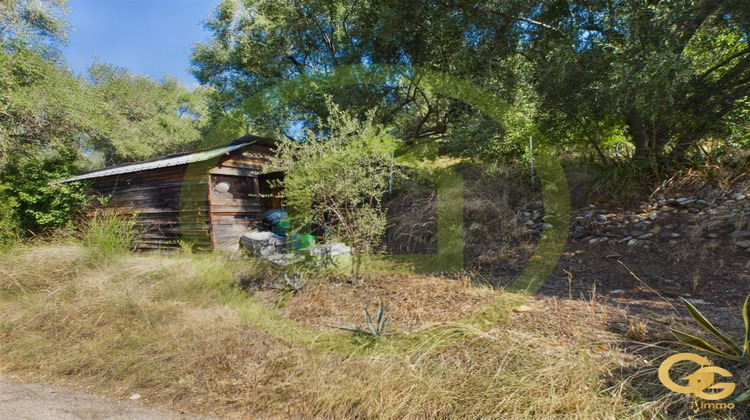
<point x="305" y="241"/>
<point x="281" y="228"/>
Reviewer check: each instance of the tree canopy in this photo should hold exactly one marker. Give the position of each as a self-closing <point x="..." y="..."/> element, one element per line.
<point x="662" y="75"/>
<point x="54" y="123"/>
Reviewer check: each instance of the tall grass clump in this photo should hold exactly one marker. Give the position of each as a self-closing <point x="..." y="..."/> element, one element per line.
<point x="109" y="234"/>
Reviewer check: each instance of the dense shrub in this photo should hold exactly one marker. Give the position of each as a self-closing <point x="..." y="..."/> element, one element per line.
<point x="40" y="205"/>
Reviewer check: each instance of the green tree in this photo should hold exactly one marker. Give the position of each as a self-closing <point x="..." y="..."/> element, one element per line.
<point x="663" y="75"/>
<point x="670" y="72"/>
<point x="33" y="17"/>
<point x="43" y="108"/>
<point x="255" y="44"/>
<point x="338" y="180"/>
<point x="144" y="118"/>
<point x="53" y="124"/>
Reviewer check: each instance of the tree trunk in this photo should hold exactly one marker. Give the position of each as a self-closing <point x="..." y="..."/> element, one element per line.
<point x="638" y="132"/>
<point x="595" y="144"/>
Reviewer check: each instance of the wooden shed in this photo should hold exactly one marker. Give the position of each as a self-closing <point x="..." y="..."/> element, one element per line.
<point x="208" y="198"/>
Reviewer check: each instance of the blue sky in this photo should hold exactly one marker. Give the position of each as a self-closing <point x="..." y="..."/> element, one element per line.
<point x="153" y="37"/>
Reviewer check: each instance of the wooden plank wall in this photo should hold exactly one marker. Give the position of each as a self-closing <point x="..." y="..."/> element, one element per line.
<point x="171" y="203"/>
<point x="176" y="203"/>
<point x="238" y="210"/>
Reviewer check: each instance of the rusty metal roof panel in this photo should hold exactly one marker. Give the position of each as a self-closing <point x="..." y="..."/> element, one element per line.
<point x="155" y="164"/>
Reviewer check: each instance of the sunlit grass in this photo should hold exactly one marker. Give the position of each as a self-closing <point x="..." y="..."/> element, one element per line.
<point x="174" y="328"/>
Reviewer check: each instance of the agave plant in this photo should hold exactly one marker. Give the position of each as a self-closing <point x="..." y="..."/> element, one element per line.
<point x="293" y="283"/>
<point x="738" y="352"/>
<point x="373" y="327"/>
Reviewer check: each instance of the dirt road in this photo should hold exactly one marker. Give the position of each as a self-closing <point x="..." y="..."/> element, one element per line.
<point x="20" y="401"/>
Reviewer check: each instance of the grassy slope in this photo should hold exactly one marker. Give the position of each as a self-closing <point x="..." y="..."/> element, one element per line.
<point x="149" y="324"/>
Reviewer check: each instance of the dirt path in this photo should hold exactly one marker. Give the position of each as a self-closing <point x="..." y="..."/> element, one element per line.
<point x="20" y="400"/>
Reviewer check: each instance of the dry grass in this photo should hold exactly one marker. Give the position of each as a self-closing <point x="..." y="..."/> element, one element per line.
<point x="413" y="301"/>
<point x="494" y="196"/>
<point x="150" y="324"/>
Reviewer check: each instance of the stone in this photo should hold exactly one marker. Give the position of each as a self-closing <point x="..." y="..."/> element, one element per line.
<point x="715" y="225"/>
<point x="637" y="233"/>
<point x="656" y="229"/>
<point x="743" y="244"/>
<point x="742" y="234"/>
<point x="601" y="218"/>
<point x="578" y="234"/>
<point x="697" y="301"/>
<point x="665" y="208"/>
<point x="645" y="236"/>
<point x="632" y="242"/>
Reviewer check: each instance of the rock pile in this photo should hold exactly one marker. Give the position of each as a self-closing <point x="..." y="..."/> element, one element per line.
<point x="659" y="220"/>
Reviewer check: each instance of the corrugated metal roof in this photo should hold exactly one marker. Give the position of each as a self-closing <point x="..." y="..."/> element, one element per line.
<point x="154" y="164"/>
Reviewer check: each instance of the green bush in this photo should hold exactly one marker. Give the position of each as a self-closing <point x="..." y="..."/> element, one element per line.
<point x="41" y="206"/>
<point x="338" y="180"/>
<point x="9" y="226"/>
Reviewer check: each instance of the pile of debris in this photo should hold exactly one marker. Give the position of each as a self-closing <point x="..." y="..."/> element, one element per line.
<point x="276" y="246"/>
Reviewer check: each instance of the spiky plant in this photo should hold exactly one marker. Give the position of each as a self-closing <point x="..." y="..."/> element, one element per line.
<point x="292" y="284"/>
<point x="374" y="328"/>
<point x="737" y="352"/>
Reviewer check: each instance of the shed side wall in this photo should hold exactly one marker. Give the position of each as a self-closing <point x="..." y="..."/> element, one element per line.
<point x="171" y="204"/>
<point x="238" y="210"/>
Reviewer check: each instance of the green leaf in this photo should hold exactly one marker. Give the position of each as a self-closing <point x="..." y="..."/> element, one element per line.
<point x="746" y="317"/>
<point x="385" y="323"/>
<point x="700" y="344"/>
<point x="705" y="323"/>
<point x="745" y="396"/>
<point x="380" y="314"/>
<point x="368" y="320"/>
